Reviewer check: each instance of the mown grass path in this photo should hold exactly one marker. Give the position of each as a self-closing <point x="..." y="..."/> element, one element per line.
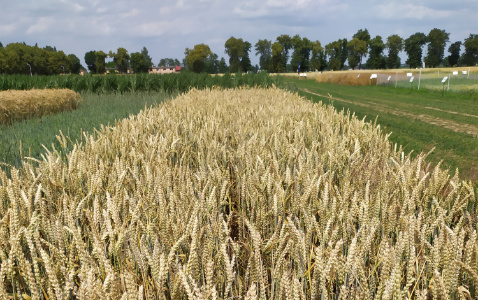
<point x="419" y="121"/>
<point x="449" y="124"/>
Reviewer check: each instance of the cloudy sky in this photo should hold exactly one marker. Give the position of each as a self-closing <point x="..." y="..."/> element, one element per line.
<point x="167" y="27"/>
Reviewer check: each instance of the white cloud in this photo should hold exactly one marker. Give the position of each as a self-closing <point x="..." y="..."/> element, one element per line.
<point x="101" y="9"/>
<point x="8" y="29"/>
<point x="162" y="27"/>
<point x="394" y="10"/>
<point x="290" y="4"/>
<point x="133" y="13"/>
<point x="166" y="10"/>
<point x="76" y="7"/>
<point x="167" y="27"/>
<point x="41" y="26"/>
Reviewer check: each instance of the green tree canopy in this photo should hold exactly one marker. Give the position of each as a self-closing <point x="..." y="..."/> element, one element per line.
<point x="138" y="63"/>
<point x="301" y="54"/>
<point x="222" y="66"/>
<point x="49" y="48"/>
<point x="277" y="61"/>
<point x="286" y="42"/>
<point x="335" y="52"/>
<point x="235" y="48"/>
<point x="90" y="60"/>
<point x="376" y="59"/>
<point x="212" y="64"/>
<point x="454" y="51"/>
<point x="264" y="50"/>
<point x="147" y="59"/>
<point x="100" y="58"/>
<point x="168" y="62"/>
<point x="121" y="59"/>
<point x="363" y="35"/>
<point x="356" y="48"/>
<point x="317" y="57"/>
<point x="246" y="64"/>
<point x="75" y="64"/>
<point x="394" y="46"/>
<point x="196" y="58"/>
<point x="437" y="40"/>
<point x="413" y="47"/>
<point x="17" y="58"/>
<point x="470" y="57"/>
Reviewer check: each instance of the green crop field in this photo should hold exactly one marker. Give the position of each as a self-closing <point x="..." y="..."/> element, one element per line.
<point x="420" y="121"/>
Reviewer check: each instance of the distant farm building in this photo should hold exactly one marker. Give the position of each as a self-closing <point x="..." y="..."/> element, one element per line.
<point x="115" y="71"/>
<point x="165" y="70"/>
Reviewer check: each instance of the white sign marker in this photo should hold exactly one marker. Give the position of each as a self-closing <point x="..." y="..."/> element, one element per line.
<point x="373" y="76"/>
<point x="411" y="79"/>
<point x="358" y="75"/>
<point x="409" y="74"/>
<point x="455" y="72"/>
<point x="464" y="72"/>
<point x="444" y="79"/>
<point x="389" y="77"/>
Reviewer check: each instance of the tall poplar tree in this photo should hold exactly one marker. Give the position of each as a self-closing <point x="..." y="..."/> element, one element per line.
<point x="437" y="40"/>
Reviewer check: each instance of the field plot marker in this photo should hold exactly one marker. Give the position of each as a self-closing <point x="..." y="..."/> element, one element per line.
<point x="444" y="81"/>
<point x="372" y="77"/>
<point x="419" y="78"/>
<point x="449" y="77"/>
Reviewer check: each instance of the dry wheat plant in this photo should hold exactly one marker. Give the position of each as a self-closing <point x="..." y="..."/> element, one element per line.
<point x="19" y="105"/>
<point x="237" y="194"/>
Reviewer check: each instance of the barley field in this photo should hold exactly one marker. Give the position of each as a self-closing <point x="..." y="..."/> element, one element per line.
<point x="20" y="105"/>
<point x="240" y="193"/>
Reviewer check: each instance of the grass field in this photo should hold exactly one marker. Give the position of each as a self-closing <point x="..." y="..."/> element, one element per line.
<point x="419" y="120"/>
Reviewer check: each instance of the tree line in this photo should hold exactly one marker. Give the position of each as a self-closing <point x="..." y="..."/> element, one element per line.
<point x="285" y="54"/>
<point x="19" y="58"/>
<point x="289" y="54"/>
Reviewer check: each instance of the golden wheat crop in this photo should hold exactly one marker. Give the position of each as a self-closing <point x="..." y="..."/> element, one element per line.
<point x="20" y="105"/>
<point x="228" y="194"/>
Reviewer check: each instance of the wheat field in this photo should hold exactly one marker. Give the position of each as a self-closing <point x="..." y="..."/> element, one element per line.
<point x="237" y="194"/>
<point x="20" y="105"/>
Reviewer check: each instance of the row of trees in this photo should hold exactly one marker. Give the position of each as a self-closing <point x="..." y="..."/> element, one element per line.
<point x="285" y="54"/>
<point x="139" y="62"/>
<point x="18" y="58"/>
<point x="288" y="53"/>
